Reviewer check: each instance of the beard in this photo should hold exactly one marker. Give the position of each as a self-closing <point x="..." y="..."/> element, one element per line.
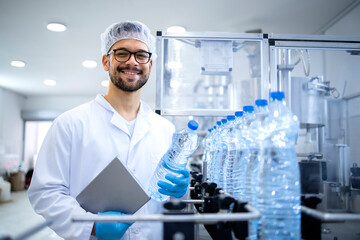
<point x="122" y="85"/>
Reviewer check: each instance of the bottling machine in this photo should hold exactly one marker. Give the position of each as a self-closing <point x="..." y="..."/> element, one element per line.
<point x="322" y="94"/>
<point x="206" y="76"/>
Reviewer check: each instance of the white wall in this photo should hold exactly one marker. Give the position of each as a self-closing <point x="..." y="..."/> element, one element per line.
<point x="35" y="132"/>
<point x="54" y="103"/>
<point x="12" y="125"/>
<point x="11" y="129"/>
<point x="348" y="25"/>
<point x="63" y="103"/>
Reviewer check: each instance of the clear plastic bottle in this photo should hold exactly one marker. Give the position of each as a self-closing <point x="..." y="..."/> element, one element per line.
<point x="258" y="131"/>
<point x="223" y="152"/>
<point x="184" y="143"/>
<point x="211" y="150"/>
<point x="239" y="118"/>
<point x="230" y="139"/>
<point x="206" y="143"/>
<point x="243" y="154"/>
<point x="220" y="154"/>
<point x="216" y="151"/>
<point x="279" y="192"/>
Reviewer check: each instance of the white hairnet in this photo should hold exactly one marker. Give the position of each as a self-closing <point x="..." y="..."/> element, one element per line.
<point x="127" y="30"/>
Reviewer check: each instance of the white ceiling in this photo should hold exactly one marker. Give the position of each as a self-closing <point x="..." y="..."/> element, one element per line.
<point x="59" y="56"/>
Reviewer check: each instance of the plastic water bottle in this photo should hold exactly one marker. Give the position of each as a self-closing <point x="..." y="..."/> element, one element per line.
<point x="206" y="143"/>
<point x="220" y="152"/>
<point x="223" y="153"/>
<point x="238" y="118"/>
<point x="258" y="131"/>
<point x="230" y="136"/>
<point x="184" y="143"/>
<point x="210" y="153"/>
<point x="279" y="194"/>
<point x="216" y="151"/>
<point x="236" y="169"/>
<point x="243" y="154"/>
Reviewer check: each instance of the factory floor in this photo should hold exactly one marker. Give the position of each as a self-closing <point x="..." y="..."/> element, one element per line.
<point x="17" y="217"/>
<point x="341" y="231"/>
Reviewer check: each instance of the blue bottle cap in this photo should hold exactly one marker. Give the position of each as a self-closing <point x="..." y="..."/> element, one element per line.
<point x="230" y="117"/>
<point x="277" y="95"/>
<point x="223" y="121"/>
<point x="193" y="125"/>
<point x="248" y="108"/>
<point x="261" y="102"/>
<point x="239" y="113"/>
<point x="218" y="123"/>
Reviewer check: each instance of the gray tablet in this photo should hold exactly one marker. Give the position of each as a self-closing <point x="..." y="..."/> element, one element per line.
<point x="114" y="189"/>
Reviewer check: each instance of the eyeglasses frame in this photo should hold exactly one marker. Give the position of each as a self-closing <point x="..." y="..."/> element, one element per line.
<point x="131" y="53"/>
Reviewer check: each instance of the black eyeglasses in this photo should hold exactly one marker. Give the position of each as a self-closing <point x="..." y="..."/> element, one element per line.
<point x="123" y="55"/>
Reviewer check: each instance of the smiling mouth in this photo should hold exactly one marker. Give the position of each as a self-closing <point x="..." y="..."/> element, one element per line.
<point x="130" y="73"/>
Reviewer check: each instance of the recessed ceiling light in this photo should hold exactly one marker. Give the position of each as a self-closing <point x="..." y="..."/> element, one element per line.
<point x="89" y="64"/>
<point x="17" y="63"/>
<point x="176" y="29"/>
<point x="105" y="83"/>
<point x="56" y="27"/>
<point x="49" y="82"/>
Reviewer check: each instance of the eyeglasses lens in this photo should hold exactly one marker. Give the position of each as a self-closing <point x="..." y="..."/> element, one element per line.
<point x="140" y="57"/>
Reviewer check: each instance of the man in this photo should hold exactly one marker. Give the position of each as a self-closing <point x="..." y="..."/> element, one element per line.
<point x="82" y="141"/>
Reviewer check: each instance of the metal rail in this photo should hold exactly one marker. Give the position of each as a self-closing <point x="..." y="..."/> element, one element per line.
<point x="195" y="218"/>
<point x="330" y="217"/>
<point x="194" y="201"/>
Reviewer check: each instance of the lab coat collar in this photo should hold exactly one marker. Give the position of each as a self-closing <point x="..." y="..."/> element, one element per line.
<point x="141" y="128"/>
<point x="116" y="119"/>
<point x="104" y="103"/>
<point x="142" y="125"/>
<point x="144" y="108"/>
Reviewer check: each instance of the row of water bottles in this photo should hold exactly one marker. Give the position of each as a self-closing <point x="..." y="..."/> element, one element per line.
<point x="251" y="155"/>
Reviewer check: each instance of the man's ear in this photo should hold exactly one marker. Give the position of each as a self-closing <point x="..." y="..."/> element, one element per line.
<point x="105" y="62"/>
<point x="150" y="64"/>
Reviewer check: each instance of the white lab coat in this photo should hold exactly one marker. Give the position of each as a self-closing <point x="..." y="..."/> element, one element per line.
<point x="79" y="144"/>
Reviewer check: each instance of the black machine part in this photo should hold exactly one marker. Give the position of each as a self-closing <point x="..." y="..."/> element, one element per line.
<point x="178" y="230"/>
<point x="355" y="176"/>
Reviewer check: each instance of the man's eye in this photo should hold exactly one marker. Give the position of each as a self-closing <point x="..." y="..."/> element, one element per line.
<point x="122" y="54"/>
<point x="142" y="56"/>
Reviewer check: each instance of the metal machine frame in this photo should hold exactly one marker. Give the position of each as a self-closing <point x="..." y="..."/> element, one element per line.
<point x="320" y="42"/>
<point x="162" y="36"/>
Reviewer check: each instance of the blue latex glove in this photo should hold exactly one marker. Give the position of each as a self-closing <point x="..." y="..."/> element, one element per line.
<point x="179" y="184"/>
<point x="110" y="231"/>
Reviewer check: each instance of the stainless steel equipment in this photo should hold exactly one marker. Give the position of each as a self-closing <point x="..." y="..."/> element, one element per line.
<point x="317" y="102"/>
<point x="308" y="100"/>
<point x="322" y="95"/>
<point x="207" y="76"/>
